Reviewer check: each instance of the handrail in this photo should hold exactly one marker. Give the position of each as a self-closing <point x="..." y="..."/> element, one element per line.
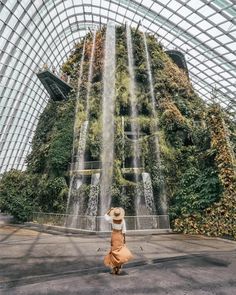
<point x="98" y="223"/>
<point x="98" y="216"/>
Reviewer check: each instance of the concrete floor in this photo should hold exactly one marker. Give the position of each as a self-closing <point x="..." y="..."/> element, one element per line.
<point x="33" y="262"/>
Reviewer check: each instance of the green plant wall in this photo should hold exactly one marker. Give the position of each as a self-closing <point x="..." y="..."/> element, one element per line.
<point x="199" y="178"/>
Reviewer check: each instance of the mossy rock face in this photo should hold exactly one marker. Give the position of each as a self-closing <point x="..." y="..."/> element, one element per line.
<point x="197" y="161"/>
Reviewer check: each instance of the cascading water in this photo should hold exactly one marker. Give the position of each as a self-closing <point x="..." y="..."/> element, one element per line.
<point x="79" y="162"/>
<point x="92" y="209"/>
<point x="75" y="200"/>
<point x="68" y="221"/>
<point x="77" y="179"/>
<point x="162" y="199"/>
<point x="148" y="193"/>
<point x="140" y="207"/>
<point x="107" y="156"/>
<point x="134" y="112"/>
<point x="149" y="198"/>
<point x="90" y="75"/>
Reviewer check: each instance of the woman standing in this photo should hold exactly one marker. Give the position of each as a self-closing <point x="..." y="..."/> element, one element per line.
<point x="119" y="253"/>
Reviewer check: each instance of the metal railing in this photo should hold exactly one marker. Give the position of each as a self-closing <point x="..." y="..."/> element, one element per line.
<point x="98" y="223"/>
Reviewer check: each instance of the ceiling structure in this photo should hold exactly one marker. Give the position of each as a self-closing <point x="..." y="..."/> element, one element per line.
<point x="36" y="32"/>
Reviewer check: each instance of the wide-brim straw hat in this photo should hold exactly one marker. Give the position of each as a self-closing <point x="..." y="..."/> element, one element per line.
<point x="117" y="213"/>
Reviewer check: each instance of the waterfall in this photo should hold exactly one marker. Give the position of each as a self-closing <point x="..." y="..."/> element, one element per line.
<point x="93" y="195"/>
<point x="75" y="200"/>
<point x="74" y="152"/>
<point x="79" y="161"/>
<point x="77" y="179"/>
<point x="162" y="198"/>
<point x="108" y="119"/>
<point x="90" y="74"/>
<point x="140" y="207"/>
<point x="92" y="209"/>
<point x="148" y="193"/>
<point x="133" y="101"/>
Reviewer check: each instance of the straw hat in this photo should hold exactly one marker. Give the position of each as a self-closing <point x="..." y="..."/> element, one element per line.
<point x="117" y="213"/>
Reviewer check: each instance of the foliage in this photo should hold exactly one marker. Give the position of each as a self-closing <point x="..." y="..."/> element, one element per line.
<point x="17" y="194"/>
<point x="44" y="186"/>
<point x="187" y="149"/>
<point x="51" y="194"/>
<point x="197" y="189"/>
<point x="51" y="146"/>
<point x="23" y="193"/>
<point x="219" y="218"/>
<point x="224" y="154"/>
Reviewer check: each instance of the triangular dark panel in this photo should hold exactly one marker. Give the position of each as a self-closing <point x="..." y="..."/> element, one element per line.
<point x="57" y="88"/>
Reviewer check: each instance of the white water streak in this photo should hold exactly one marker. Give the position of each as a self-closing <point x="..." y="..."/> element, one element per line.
<point x="108" y="119"/>
<point x="74" y="152"/>
<point x="90" y="75"/>
<point x="84" y="126"/>
<point x="163" y="198"/>
<point x="79" y="164"/>
<point x="79" y="146"/>
<point x="133" y="100"/>
<point x="92" y="208"/>
<point x="139" y="202"/>
<point x="148" y="193"/>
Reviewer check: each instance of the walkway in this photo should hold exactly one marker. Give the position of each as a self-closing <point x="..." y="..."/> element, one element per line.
<point x="32" y="262"/>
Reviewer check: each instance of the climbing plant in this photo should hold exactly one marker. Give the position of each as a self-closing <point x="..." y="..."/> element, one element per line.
<point x="197" y="144"/>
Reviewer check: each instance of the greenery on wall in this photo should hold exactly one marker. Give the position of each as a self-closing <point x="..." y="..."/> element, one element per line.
<point x="219" y="218"/>
<point x="197" y="143"/>
<point x="44" y="186"/>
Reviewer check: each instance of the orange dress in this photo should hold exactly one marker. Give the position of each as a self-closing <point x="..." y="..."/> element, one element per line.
<point x="119" y="253"/>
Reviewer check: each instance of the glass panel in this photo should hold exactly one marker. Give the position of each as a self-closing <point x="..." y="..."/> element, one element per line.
<point x="184" y="11"/>
<point x="225" y="39"/>
<point x="4" y="14"/>
<point x="195" y="4"/>
<point x="166" y="13"/>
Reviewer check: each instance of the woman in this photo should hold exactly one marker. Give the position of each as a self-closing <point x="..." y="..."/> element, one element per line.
<point x="119" y="253"/>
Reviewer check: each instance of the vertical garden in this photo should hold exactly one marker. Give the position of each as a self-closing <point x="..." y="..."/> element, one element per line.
<point x="194" y="162"/>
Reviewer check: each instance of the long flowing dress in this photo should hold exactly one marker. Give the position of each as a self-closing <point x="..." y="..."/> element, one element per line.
<point x="119" y="252"/>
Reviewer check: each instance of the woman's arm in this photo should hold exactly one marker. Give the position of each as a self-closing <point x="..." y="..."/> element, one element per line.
<point x="108" y="212"/>
<point x="107" y="216"/>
